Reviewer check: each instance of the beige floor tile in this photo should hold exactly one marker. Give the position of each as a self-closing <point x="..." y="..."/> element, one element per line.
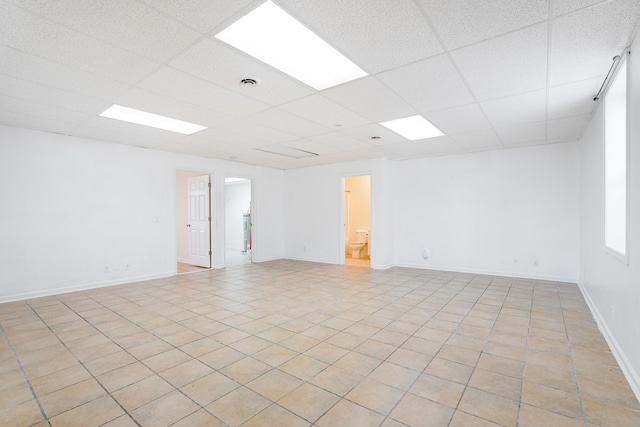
<point x="357" y="363"/>
<point x="610" y="393"/>
<point x="462" y="419"/>
<point x="69" y="397"/>
<point x="555" y="378"/>
<point x="346" y="413"/>
<point x="299" y="343"/>
<point x="551" y="399"/>
<point x="24" y="414"/>
<point x="394" y="375"/>
<point x="185" y="373"/>
<point x="108" y="363"/>
<point x="58" y="380"/>
<point x="458" y="354"/>
<point x="238" y="406"/>
<point x="495" y="383"/>
<point x="209" y="388"/>
<point x="165" y="410"/>
<point x="303" y="367"/>
<point x="245" y="370"/>
<point x="308" y="402"/>
<point x="327" y="353"/>
<point x="148" y="349"/>
<point x="275" y="355"/>
<point x="274" y="384"/>
<point x="124" y="376"/>
<point x="501" y="365"/>
<point x="376" y="349"/>
<point x="276" y="415"/>
<point x="13" y="396"/>
<point x="375" y="396"/>
<point x="423" y="346"/>
<point x="201" y="347"/>
<point x="410" y="359"/>
<point x="199" y="418"/>
<point x="337" y="380"/>
<point x="530" y="416"/>
<point x="346" y="340"/>
<point x="138" y="394"/>
<point x="250" y="345"/>
<point x="414" y="411"/>
<point x="489" y="407"/>
<point x="438" y="389"/>
<point x="449" y="370"/>
<point x="121" y="421"/>
<point x="222" y="357"/>
<point x="604" y="414"/>
<point x="94" y="413"/>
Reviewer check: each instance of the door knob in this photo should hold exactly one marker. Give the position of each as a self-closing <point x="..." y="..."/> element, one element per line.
<point x="188" y="225"/>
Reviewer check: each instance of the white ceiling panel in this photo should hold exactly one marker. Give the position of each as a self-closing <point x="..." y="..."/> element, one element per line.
<point x="405" y="150"/>
<point x="568" y="128"/>
<point x="202" y="15"/>
<point x="506" y="65"/>
<point x="429" y="85"/>
<point x="140" y="131"/>
<point x="287" y="122"/>
<point x="111" y="135"/>
<point x="441" y="146"/>
<point x="464" y="119"/>
<point x="321" y="110"/>
<point x="42" y="71"/>
<point x="367" y="31"/>
<point x="131" y="25"/>
<point x="155" y="103"/>
<point x="366" y="132"/>
<point x="34" y="34"/>
<point x="341" y="141"/>
<point x="519" y="134"/>
<point x="462" y="22"/>
<point x="10" y="118"/>
<point x="583" y="43"/>
<point x="512" y="110"/>
<point x="573" y="99"/>
<point x="181" y="86"/>
<point x="255" y="131"/>
<point x="371" y="99"/>
<point x="37" y="109"/>
<point x="223" y="65"/>
<point x="484" y="139"/>
<point x="227" y="137"/>
<point x="312" y="146"/>
<point x="561" y="7"/>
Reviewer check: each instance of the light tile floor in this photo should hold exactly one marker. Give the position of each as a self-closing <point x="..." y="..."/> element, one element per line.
<point x="289" y="343"/>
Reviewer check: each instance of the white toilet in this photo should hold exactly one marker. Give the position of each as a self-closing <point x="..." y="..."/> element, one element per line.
<point x="360" y="247"/>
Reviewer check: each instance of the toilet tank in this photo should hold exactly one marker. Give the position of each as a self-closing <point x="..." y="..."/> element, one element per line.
<point x="362" y="236"/>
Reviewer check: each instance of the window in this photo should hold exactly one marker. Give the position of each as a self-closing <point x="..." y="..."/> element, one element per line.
<point x="615" y="164"/>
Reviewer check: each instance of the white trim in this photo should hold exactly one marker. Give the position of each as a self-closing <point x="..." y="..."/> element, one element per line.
<point x="95" y="285"/>
<point x="633" y="378"/>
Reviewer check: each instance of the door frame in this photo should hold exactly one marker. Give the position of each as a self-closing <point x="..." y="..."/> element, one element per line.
<point x="254" y="214"/>
<point x="342" y="256"/>
<point x="212" y="205"/>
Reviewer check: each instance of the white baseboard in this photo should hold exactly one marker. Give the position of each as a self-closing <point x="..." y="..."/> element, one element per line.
<point x="498" y="273"/>
<point x="95" y="285"/>
<point x="627" y="368"/>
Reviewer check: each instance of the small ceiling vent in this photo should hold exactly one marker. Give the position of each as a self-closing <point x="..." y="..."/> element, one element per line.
<point x="249" y="82"/>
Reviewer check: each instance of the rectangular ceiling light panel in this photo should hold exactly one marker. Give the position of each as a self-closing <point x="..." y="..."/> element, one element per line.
<point x="413" y="128"/>
<point x="118" y="112"/>
<point x="271" y="35"/>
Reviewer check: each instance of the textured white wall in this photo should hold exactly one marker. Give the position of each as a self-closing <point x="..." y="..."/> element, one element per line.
<point x="611" y="286"/>
<point x="71" y="206"/>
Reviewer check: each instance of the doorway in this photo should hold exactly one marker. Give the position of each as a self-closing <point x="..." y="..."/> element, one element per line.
<point x="357" y="220"/>
<point x="238" y="222"/>
<point x="193" y="221"/>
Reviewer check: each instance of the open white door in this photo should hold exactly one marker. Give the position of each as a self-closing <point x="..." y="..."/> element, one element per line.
<point x="199" y="222"/>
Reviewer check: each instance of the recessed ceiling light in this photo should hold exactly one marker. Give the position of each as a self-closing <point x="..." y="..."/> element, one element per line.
<point x="283" y="150"/>
<point x="249" y="82"/>
<point x="413" y="128"/>
<point x="118" y="112"/>
<point x="271" y="35"/>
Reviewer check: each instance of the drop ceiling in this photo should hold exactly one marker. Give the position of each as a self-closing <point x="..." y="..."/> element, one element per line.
<point x="490" y="74"/>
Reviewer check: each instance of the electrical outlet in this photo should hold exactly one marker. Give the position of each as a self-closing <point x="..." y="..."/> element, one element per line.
<point x="127" y="267"/>
<point x="536" y="263"/>
<point x="426" y="253"/>
<point x="304" y="249"/>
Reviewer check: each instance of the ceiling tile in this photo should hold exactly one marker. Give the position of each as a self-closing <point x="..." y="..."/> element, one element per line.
<point x="131" y="25"/>
<point x="561" y="7"/>
<point x="218" y="63"/>
<point x="321" y="110"/>
<point x="340" y="141"/>
<point x="176" y="84"/>
<point x="313" y="146"/>
<point x="37" y="109"/>
<point x="155" y="103"/>
<point x="371" y="99"/>
<point x="288" y="123"/>
<point x="506" y="65"/>
<point x="404" y="150"/>
<point x="583" y="43"/>
<point x="228" y="137"/>
<point x="573" y="99"/>
<point x="568" y="128"/>
<point x="110" y="135"/>
<point x="462" y="22"/>
<point x="202" y="15"/>
<point x="519" y="134"/>
<point x="364" y="133"/>
<point x="428" y="85"/>
<point x="441" y="146"/>
<point x="367" y="31"/>
<point x="256" y="131"/>
<point x="140" y="131"/>
<point x="39" y="70"/>
<point x="33" y="34"/>
<point x="479" y="140"/>
<point x="464" y="119"/>
<point x="27" y="121"/>
<point x="512" y="110"/>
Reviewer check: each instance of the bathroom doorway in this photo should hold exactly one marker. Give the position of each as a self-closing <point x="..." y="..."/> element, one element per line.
<point x="237" y="221"/>
<point x="357" y="220"/>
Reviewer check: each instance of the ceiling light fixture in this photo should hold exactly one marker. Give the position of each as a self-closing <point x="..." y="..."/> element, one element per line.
<point x="413" y="128"/>
<point x="131" y="115"/>
<point x="271" y="35"/>
<point x="283" y="150"/>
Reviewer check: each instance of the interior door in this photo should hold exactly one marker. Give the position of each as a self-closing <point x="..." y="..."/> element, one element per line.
<point x="199" y="222"/>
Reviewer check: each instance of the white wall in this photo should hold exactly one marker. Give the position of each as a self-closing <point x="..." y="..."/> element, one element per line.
<point x="480" y="212"/>
<point x="313" y="210"/>
<point x="611" y="287"/>
<point x="71" y="206"/>
<point x="237" y="199"/>
<point x="182" y="214"/>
